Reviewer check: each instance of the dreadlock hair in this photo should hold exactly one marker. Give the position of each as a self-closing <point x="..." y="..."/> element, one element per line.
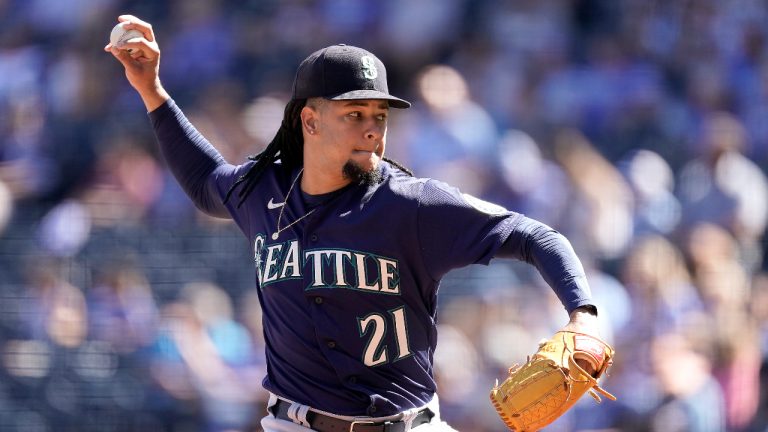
<point x="399" y="166"/>
<point x="288" y="146"/>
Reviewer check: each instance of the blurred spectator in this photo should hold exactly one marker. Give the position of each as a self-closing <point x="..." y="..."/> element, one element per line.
<point x="55" y="310"/>
<point x="122" y="309"/>
<point x="659" y="282"/>
<point x="172" y="397"/>
<point x="663" y="300"/>
<point x="201" y="29"/>
<point x="529" y="183"/>
<point x="722" y="186"/>
<point x="6" y="206"/>
<point x="249" y="314"/>
<point x="65" y="229"/>
<point x="128" y="182"/>
<point x="26" y="167"/>
<point x="416" y="31"/>
<point x="759" y="309"/>
<point x="725" y="288"/>
<point x="457" y="366"/>
<point x="222" y="121"/>
<point x="692" y="399"/>
<point x="219" y="355"/>
<point x="717" y="266"/>
<point x="451" y="139"/>
<point x="736" y="367"/>
<point x="602" y="201"/>
<point x="656" y="210"/>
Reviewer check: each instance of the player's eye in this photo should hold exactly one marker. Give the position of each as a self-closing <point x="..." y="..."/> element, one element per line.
<point x="381" y="117"/>
<point x="354" y="114"/>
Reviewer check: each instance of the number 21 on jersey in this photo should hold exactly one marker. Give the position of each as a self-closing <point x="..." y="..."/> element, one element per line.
<point x="376" y="351"/>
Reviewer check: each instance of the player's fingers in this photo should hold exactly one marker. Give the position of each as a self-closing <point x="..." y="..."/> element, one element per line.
<point x="122" y="56"/>
<point x="139" y="56"/>
<point x="141" y="46"/>
<point x="134" y="23"/>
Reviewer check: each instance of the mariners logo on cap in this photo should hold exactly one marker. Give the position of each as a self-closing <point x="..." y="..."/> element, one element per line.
<point x="369" y="67"/>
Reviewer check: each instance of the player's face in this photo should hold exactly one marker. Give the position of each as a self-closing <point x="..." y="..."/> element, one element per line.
<point x="352" y="135"/>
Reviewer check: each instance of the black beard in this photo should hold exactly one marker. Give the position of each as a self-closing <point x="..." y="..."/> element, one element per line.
<point x="356" y="174"/>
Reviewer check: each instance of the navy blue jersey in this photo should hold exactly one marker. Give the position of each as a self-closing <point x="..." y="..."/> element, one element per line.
<point x="347" y="283"/>
<point x="349" y="292"/>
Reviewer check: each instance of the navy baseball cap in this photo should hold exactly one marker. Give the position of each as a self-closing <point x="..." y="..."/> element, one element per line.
<point x="343" y="72"/>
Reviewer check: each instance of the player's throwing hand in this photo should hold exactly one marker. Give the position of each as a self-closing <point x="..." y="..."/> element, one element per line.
<point x="142" y="63"/>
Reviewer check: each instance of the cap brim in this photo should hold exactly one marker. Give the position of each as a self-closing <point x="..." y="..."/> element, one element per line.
<point x="394" y="102"/>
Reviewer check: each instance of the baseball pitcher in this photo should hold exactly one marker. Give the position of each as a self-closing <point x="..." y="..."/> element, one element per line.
<point x="349" y="249"/>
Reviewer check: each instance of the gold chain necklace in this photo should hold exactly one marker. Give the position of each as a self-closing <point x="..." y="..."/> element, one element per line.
<point x="276" y="234"/>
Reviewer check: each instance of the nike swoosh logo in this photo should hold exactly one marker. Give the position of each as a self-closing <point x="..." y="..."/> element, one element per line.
<point x="272" y="205"/>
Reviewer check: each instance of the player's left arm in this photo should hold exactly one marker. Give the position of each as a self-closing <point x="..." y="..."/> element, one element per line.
<point x="553" y="256"/>
<point x="456" y="229"/>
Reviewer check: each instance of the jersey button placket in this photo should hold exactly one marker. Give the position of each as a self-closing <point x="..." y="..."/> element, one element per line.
<point x="313" y="237"/>
<point x="331" y="344"/>
<point x="318" y="300"/>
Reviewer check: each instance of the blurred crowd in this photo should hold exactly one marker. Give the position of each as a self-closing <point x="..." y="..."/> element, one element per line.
<point x="635" y="127"/>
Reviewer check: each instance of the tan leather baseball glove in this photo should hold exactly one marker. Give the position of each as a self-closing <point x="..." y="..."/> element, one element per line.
<point x="551" y="382"/>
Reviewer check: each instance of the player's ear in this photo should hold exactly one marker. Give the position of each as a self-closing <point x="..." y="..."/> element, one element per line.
<point x="309" y="119"/>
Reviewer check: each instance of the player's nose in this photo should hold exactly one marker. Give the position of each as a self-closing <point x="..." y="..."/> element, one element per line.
<point x="374" y="131"/>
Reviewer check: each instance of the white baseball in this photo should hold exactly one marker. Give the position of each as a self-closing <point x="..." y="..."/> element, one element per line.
<point x="120" y="35"/>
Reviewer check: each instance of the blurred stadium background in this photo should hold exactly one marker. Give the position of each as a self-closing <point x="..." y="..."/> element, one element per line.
<point x="635" y="127"/>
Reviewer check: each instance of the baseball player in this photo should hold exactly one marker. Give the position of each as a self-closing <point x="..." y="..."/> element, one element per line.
<point x="349" y="247"/>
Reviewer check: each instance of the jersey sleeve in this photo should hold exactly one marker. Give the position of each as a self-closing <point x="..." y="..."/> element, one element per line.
<point x="194" y="162"/>
<point x="553" y="256"/>
<point x="457" y="229"/>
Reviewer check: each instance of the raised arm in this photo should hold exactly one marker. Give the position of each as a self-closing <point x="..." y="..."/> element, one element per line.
<point x="142" y="65"/>
<point x="190" y="157"/>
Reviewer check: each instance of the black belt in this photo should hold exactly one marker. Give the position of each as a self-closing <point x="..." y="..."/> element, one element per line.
<point x="323" y="423"/>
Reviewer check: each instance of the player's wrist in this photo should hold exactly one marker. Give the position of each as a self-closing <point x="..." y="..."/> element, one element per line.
<point x="589" y="309"/>
<point x="583" y="319"/>
<point x="154" y="96"/>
